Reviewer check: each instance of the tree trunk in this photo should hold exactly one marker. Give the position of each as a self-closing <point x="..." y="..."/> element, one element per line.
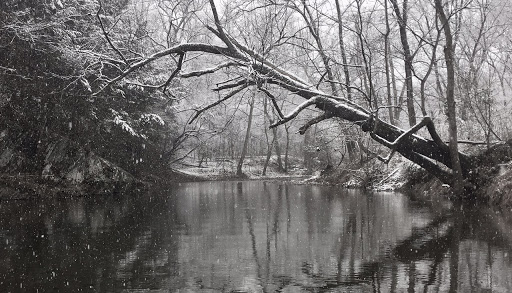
<point x="315" y="33"/>
<point x="287" y="148"/>
<point x="415" y="148"/>
<point x="343" y="51"/>
<point x="246" y="140"/>
<point x="423" y="96"/>
<point x="351" y="149"/>
<point x="458" y="183"/>
<point x="267" y="158"/>
<point x="386" y="61"/>
<point x="269" y="144"/>
<point x="278" y="151"/>
<point x="367" y="69"/>
<point x="350" y="143"/>
<point x="402" y="25"/>
<point x="396" y="101"/>
<point x="307" y="154"/>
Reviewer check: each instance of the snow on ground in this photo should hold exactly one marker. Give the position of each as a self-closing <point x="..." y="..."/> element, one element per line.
<point x="395" y="176"/>
<point x="252" y="169"/>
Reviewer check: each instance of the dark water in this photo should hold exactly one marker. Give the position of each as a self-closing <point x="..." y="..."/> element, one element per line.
<point x="251" y="237"/>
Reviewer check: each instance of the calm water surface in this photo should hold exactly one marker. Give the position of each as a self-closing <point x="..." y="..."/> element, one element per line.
<point x="251" y="237"/>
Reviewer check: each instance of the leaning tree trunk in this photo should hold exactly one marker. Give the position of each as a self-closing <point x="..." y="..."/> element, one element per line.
<point x="428" y="153"/>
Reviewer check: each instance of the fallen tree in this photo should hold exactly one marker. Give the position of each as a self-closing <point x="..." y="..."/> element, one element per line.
<point x="432" y="154"/>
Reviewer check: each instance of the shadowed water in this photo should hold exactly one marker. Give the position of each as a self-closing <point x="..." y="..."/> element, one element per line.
<point x="251" y="237"/>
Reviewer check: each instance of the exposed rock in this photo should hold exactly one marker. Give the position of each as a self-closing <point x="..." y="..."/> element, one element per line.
<point x="64" y="160"/>
<point x="91" y="168"/>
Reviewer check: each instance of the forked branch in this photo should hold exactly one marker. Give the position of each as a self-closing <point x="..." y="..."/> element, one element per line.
<point x="105" y="33"/>
<point x="296" y="111"/>
<point x="426" y="121"/>
<point x="274" y="102"/>
<point x="179" y="49"/>
<point x="175" y="72"/>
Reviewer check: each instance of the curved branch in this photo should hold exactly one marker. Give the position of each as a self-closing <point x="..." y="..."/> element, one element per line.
<point x="314" y="121"/>
<point x="179" y="49"/>
<point x="105" y="33"/>
<point x="296" y="111"/>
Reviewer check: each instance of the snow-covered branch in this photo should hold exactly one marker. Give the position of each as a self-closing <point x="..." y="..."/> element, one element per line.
<point x="179" y="49"/>
<point x="209" y="70"/>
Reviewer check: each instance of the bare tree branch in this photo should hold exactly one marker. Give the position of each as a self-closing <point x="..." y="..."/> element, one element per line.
<point x="179" y="49"/>
<point x="105" y="33"/>
<point x="175" y="72"/>
<point x="230" y="85"/>
<point x="394" y="145"/>
<point x="314" y="121"/>
<point x="228" y="96"/>
<point x="220" y="29"/>
<point x="274" y="102"/>
<point x="209" y="70"/>
<point x="296" y="111"/>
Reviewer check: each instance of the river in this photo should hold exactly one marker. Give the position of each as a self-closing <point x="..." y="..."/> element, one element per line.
<point x="251" y="236"/>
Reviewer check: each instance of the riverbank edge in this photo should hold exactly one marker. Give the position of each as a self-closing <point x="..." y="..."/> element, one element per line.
<point x="31" y="186"/>
<point x="402" y="176"/>
<point x="408" y="178"/>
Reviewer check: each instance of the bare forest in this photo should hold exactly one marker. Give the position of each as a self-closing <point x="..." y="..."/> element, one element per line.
<point x="140" y="88"/>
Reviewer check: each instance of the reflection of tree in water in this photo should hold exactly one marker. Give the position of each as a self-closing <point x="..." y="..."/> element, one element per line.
<point x="97" y="244"/>
<point x="430" y="259"/>
<point x="437" y="242"/>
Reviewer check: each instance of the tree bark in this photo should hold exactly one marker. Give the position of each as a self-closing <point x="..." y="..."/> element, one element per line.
<point x="458" y="183"/>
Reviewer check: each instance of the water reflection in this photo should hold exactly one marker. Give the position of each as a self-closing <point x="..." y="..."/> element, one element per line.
<point x="251" y="237"/>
